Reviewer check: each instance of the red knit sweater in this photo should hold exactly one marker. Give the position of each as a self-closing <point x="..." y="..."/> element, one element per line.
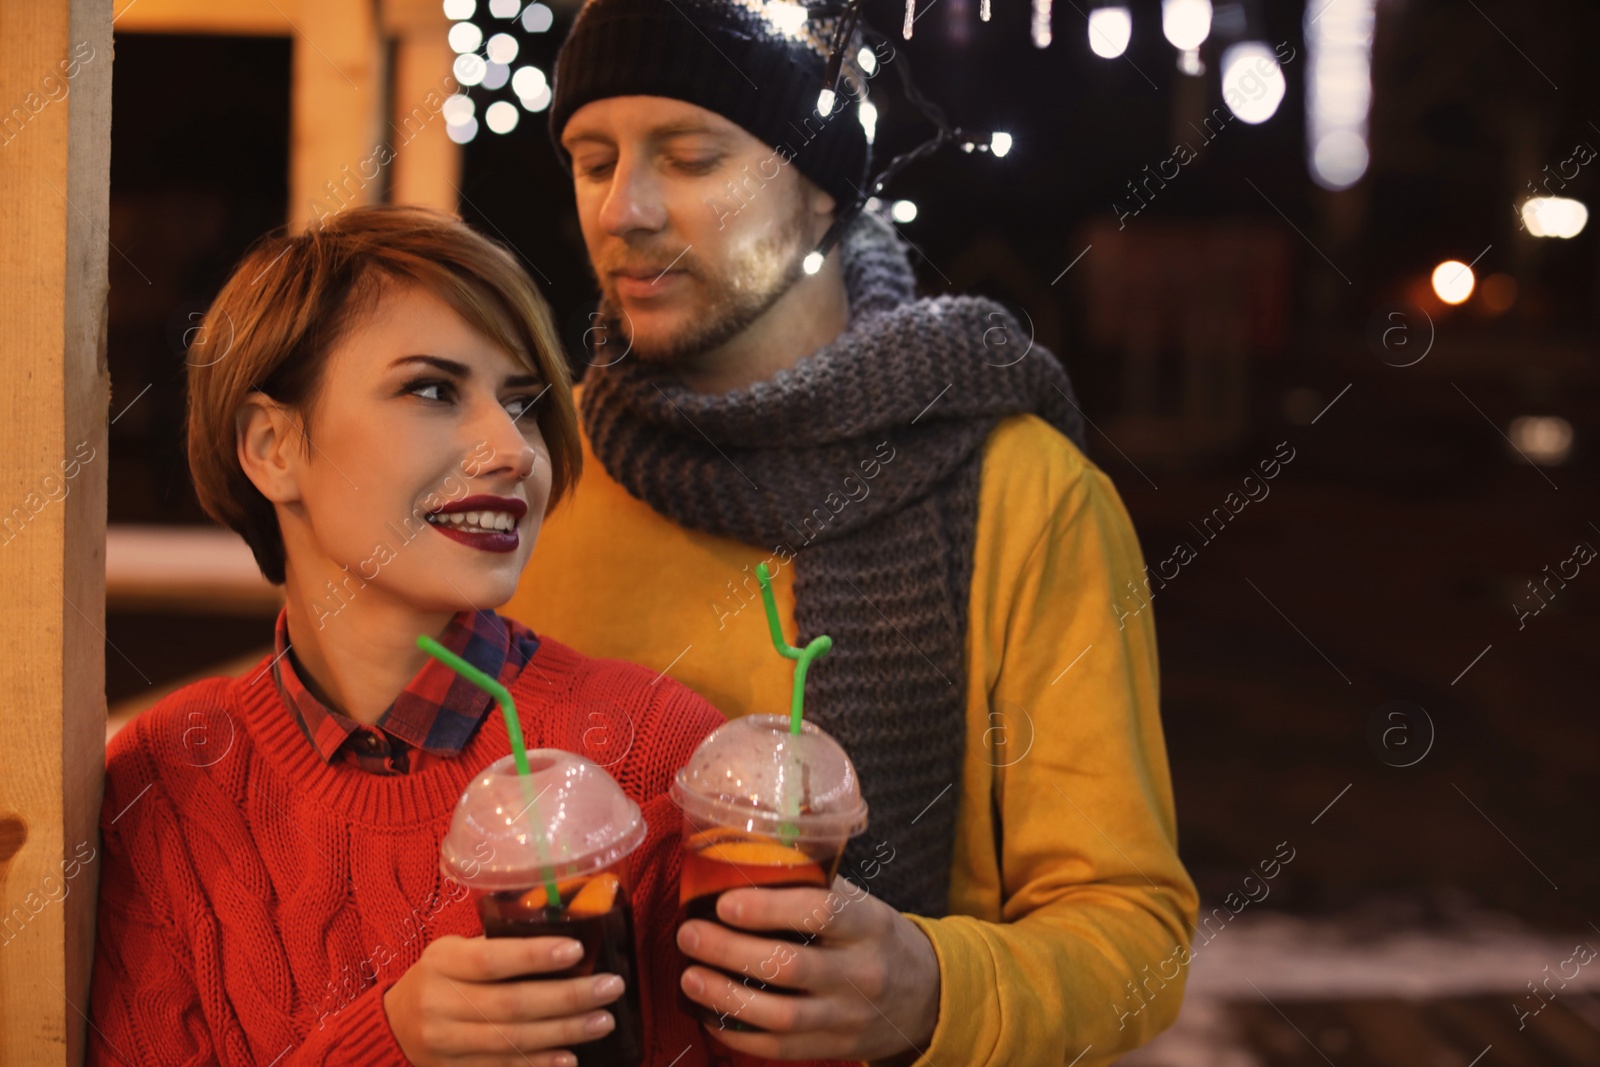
<point x="256" y="903"/>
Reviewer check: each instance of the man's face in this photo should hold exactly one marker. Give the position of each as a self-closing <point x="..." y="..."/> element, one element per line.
<point x="694" y="227"/>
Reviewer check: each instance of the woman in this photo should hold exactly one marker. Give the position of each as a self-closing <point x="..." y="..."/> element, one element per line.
<point x="380" y="408"/>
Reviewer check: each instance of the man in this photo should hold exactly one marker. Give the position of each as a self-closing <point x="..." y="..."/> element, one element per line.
<point x="908" y="470"/>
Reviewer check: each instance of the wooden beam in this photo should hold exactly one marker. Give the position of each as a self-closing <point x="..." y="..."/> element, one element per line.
<point x="255" y="18"/>
<point x="55" y="151"/>
<point x="336" y="107"/>
<point x="185" y="570"/>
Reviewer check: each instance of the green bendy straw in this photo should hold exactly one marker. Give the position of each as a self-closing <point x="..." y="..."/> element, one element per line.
<point x="519" y="750"/>
<point x="819" y="646"/>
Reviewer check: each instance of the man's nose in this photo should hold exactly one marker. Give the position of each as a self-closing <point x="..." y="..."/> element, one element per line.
<point x="633" y="201"/>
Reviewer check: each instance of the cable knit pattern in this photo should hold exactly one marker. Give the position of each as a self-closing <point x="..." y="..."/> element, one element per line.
<point x="256" y="902"/>
<point x="887" y="574"/>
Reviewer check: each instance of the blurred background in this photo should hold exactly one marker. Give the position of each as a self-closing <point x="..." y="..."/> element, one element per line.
<point x="1346" y="241"/>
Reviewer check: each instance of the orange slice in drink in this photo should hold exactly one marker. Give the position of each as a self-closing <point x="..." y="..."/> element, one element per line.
<point x="536" y="899"/>
<point x="597" y="897"/>
<point x="756" y="854"/>
<point x="717" y="833"/>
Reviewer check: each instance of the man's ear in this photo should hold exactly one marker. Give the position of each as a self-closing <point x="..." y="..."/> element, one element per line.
<point x="820" y="207"/>
<point x="270" y="448"/>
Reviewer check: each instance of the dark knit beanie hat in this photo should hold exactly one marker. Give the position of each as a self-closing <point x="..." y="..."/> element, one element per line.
<point x="758" y="63"/>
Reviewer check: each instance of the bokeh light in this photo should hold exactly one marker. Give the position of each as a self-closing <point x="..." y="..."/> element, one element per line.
<point x="1110" y="30"/>
<point x="1545" y="439"/>
<point x="1554" y="216"/>
<point x="1252" y="82"/>
<point x="501" y="116"/>
<point x="1453" y="281"/>
<point x="465" y="37"/>
<point x="1186" y="23"/>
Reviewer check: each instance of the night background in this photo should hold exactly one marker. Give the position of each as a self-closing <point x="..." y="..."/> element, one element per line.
<point x="1387" y="662"/>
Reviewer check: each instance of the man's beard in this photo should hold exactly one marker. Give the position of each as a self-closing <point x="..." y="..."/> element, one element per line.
<point x="735" y="298"/>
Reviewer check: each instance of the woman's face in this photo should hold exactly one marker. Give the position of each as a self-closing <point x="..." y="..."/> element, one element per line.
<point x="427" y="476"/>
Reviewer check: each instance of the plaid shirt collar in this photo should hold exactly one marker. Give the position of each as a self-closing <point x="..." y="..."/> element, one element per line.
<point x="437" y="712"/>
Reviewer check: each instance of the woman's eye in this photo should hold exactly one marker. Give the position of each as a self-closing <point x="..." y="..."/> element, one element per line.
<point x="432" y="389"/>
<point x="519" y="406"/>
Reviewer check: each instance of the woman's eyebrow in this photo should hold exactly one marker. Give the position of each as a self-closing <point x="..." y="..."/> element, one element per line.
<point x="448" y="366"/>
<point x="460" y="370"/>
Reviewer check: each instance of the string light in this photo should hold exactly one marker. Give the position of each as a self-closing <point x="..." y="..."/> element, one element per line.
<point x="1041" y="19"/>
<point x="465" y="37"/>
<point x="1041" y="22"/>
<point x="486" y="55"/>
<point x="1110" y="30"/>
<point x="1338" y="91"/>
<point x="501" y="117"/>
<point x="536" y="18"/>
<point x="502" y="48"/>
<point x="1252" y="81"/>
<point x="996" y="143"/>
<point x="1554" y="216"/>
<point x="1453" y="281"/>
<point x="1187" y="24"/>
<point x="469" y="69"/>
<point x="457" y="109"/>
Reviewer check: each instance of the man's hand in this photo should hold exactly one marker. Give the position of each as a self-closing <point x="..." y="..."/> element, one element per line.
<point x="866" y="982"/>
<point x="453" y="1007"/>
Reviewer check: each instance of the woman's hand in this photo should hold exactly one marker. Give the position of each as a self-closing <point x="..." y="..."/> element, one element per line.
<point x="453" y="1007"/>
<point x="867" y="981"/>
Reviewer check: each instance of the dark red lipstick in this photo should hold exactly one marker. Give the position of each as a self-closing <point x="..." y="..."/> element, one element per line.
<point x="484" y="522"/>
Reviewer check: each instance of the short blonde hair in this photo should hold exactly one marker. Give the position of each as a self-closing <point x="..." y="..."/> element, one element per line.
<point x="292" y="299"/>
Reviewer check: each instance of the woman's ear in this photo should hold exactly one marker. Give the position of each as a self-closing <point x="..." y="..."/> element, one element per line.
<point x="270" y="448"/>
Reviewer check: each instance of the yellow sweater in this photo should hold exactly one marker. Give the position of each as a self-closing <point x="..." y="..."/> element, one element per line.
<point x="1071" y="913"/>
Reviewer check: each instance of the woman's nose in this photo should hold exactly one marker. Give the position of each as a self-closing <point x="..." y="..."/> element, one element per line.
<point x="504" y="437"/>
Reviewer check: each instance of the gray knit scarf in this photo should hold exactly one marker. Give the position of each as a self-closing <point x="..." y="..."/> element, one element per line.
<point x="883" y="550"/>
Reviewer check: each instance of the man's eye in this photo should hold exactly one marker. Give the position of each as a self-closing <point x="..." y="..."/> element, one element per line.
<point x="594" y="170"/>
<point x="698" y="166"/>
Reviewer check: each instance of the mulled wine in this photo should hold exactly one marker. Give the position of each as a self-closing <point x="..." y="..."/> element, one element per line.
<point x="594" y="912"/>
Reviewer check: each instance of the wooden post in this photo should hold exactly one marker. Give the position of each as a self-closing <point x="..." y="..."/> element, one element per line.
<point x="55" y="150"/>
<point x="336" y="121"/>
<point x="427" y="164"/>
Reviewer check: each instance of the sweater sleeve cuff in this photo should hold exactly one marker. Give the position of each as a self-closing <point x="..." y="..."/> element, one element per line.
<point x="359" y="1036"/>
<point x="965" y="1033"/>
